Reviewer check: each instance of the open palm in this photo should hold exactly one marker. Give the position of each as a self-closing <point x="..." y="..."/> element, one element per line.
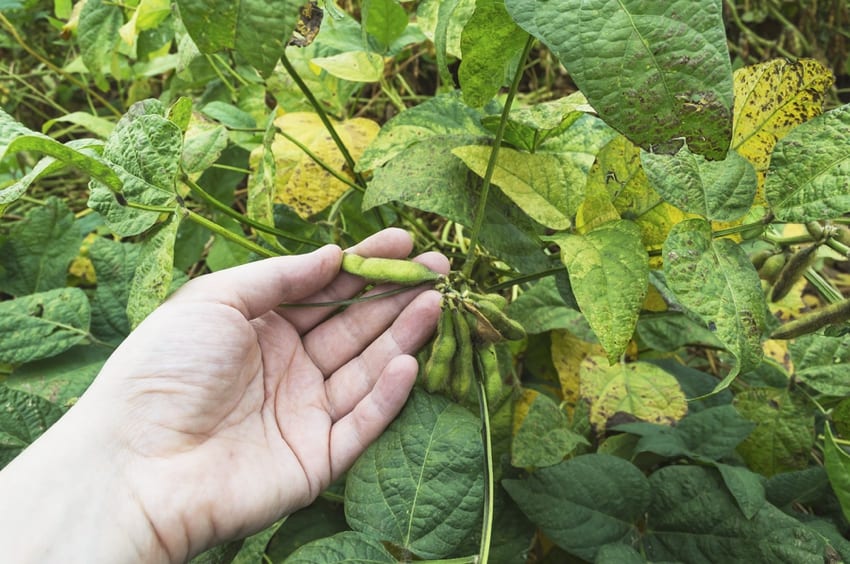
<point x="247" y="411"/>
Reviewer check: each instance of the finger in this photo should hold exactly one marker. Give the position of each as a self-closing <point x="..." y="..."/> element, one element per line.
<point x="344" y="336"/>
<point x="410" y="331"/>
<point x="255" y="288"/>
<point x="389" y="243"/>
<point x="367" y="420"/>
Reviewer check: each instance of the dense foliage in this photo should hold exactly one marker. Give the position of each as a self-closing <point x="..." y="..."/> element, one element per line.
<point x="649" y="244"/>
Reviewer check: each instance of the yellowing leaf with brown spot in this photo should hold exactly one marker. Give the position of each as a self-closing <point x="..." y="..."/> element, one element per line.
<point x="770" y="100"/>
<point x="791" y="306"/>
<point x="630" y="392"/>
<point x="521" y="407"/>
<point x="618" y="188"/>
<point x="568" y="352"/>
<point x="300" y="182"/>
<point x="777" y="351"/>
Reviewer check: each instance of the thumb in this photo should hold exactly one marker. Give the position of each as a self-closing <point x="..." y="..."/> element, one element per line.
<point x="256" y="288"/>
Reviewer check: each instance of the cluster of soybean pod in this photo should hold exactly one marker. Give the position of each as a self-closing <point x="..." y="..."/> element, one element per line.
<point x="470" y="326"/>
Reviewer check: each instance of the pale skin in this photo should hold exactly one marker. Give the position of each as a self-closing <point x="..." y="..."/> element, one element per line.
<point x="220" y="413"/>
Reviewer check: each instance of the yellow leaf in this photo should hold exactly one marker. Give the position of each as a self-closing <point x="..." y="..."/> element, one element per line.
<point x="628" y="392"/>
<point x="568" y="352"/>
<point x="300" y="182"/>
<point x="777" y="350"/>
<point x="354" y="66"/>
<point x="654" y="301"/>
<point x="771" y="99"/>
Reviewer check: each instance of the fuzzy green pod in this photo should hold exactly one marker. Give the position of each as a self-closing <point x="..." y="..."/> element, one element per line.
<point x="396" y="271"/>
<point x="438" y="368"/>
<point x="831" y="314"/>
<point x="489" y="314"/>
<point x="463" y="369"/>
<point x="794" y="268"/>
<point x="491" y="374"/>
<point x="497" y="300"/>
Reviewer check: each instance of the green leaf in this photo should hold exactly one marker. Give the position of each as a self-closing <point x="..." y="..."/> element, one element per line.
<point x="342" y="548"/>
<point x="695" y="383"/>
<point x="822" y="362"/>
<point x="36" y="255"/>
<point x="707" y="435"/>
<point x="534" y="181"/>
<point x="420" y="484"/>
<point x="745" y="486"/>
<point x="837" y="463"/>
<point x="544" y="437"/>
<point x="542" y="308"/>
<point x="670" y="331"/>
<point x="609" y="274"/>
<point x="202" y="146"/>
<point x="23" y="417"/>
<point x="441" y="115"/>
<point x="224" y="253"/>
<point x="807" y="178"/>
<point x="152" y="279"/>
<point x="584" y="503"/>
<point x="42" y="325"/>
<point x="804" y="487"/>
<point x="258" y="30"/>
<point x="320" y="519"/>
<point x="784" y="432"/>
<point x="692" y="516"/>
<point x="62" y="378"/>
<point x="530" y="127"/>
<point x="427" y="176"/>
<point x="715" y="280"/>
<point x="144" y="150"/>
<point x="384" y="20"/>
<point x="618" y="554"/>
<point x="654" y="71"/>
<point x="15" y="137"/>
<point x="253" y="548"/>
<point x="490" y="45"/>
<point x="718" y="190"/>
<point x="97" y="35"/>
<point x="115" y="266"/>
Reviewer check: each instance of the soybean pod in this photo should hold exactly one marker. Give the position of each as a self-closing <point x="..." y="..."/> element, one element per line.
<point x="439" y="365"/>
<point x="463" y="370"/>
<point x="504" y="325"/>
<point x="396" y="271"/>
<point x="490" y="374"/>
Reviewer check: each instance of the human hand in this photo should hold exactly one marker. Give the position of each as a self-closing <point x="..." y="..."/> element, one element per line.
<point x="222" y="412"/>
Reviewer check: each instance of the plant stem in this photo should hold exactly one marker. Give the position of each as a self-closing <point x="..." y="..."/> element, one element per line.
<point x="494" y="155"/>
<point x="230" y="212"/>
<point x="525" y="278"/>
<point x="229" y="235"/>
<point x="43" y="60"/>
<point x="320" y="111"/>
<point x="489" y="484"/>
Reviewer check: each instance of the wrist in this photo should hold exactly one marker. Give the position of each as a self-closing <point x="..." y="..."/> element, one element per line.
<point x="66" y="498"/>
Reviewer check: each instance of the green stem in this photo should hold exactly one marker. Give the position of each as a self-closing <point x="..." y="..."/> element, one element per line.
<point x="220" y="76"/>
<point x="524" y="279"/>
<point x="229" y="235"/>
<point x="494" y="155"/>
<point x="150" y="208"/>
<point x="823" y="286"/>
<point x="320" y="111"/>
<point x="489" y="484"/>
<point x="230" y="212"/>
